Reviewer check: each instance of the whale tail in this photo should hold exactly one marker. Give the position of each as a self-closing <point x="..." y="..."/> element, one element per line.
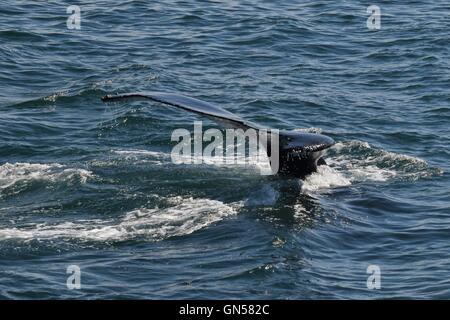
<point x="299" y="152"/>
<point x="190" y="104"/>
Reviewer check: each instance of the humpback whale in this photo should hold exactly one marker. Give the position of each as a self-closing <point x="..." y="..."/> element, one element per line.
<point x="299" y="152"/>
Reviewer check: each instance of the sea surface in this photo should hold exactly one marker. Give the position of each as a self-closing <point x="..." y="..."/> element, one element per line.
<point x="90" y="185"/>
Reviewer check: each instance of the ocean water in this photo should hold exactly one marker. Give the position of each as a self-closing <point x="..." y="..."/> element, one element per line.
<point x="91" y="184"/>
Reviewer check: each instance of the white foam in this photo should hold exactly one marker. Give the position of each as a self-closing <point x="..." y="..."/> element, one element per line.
<point x="136" y="156"/>
<point x="357" y="161"/>
<point x="183" y="216"/>
<point x="11" y="173"/>
<point x="325" y="177"/>
<point x="348" y="162"/>
<point x="339" y="146"/>
<point x="255" y="161"/>
<point x="56" y="95"/>
<point x="309" y="130"/>
<point x="138" y="152"/>
<point x="371" y="173"/>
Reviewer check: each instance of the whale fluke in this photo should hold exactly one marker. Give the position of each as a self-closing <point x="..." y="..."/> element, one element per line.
<point x="299" y="152"/>
<point x="189" y="104"/>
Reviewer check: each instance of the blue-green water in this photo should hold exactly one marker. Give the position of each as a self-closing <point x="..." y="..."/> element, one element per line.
<point x="91" y="184"/>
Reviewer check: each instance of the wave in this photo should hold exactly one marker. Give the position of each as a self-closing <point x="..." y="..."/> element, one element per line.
<point x="66" y="94"/>
<point x="143" y="156"/>
<point x="252" y="161"/>
<point x="182" y="216"/>
<point x="309" y="130"/>
<point x="325" y="178"/>
<point x="349" y="162"/>
<point x="12" y="173"/>
<point x="16" y="35"/>
<point x="53" y="97"/>
<point x="356" y="161"/>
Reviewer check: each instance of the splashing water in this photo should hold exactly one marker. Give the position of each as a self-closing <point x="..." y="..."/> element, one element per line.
<point x="12" y="173"/>
<point x="356" y="161"/>
<point x="182" y="216"/>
